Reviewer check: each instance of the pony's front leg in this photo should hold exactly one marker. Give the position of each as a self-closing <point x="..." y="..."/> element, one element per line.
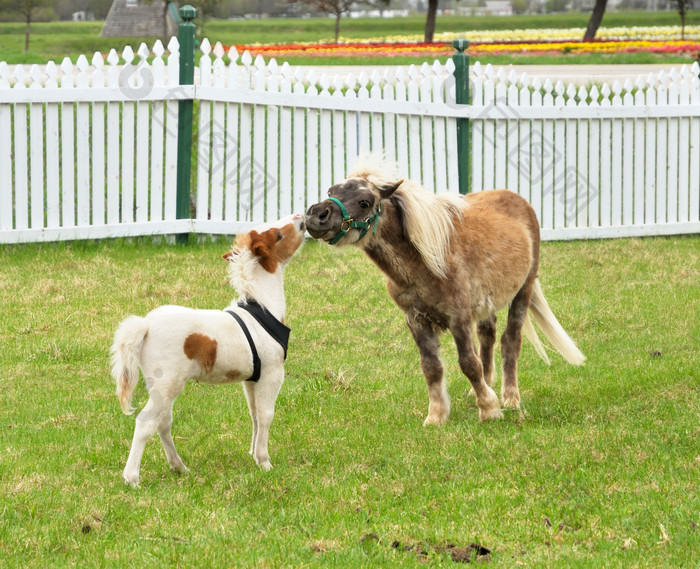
<point x="486" y="332"/>
<point x="429" y="347"/>
<point x="470" y="364"/>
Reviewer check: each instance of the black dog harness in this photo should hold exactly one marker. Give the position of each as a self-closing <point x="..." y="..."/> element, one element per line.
<point x="272" y="326"/>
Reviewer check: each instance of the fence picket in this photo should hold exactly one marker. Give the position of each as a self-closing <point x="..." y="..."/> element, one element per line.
<point x="97" y="146"/>
<point x="299" y="151"/>
<point x="629" y="145"/>
<point x="683" y="150"/>
<point x="617" y="159"/>
<point x="285" y="175"/>
<point x="661" y="156"/>
<point x="672" y="152"/>
<point x="68" y="217"/>
<point x="550" y="156"/>
<point x="313" y="167"/>
<point x="401" y="94"/>
<point x="325" y="136"/>
<point x="694" y="150"/>
<point x="593" y="165"/>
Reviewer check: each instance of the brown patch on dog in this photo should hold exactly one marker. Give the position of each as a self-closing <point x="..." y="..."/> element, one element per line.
<point x="202" y="349"/>
<point x="290" y="242"/>
<point x="233" y="375"/>
<point x="263" y="246"/>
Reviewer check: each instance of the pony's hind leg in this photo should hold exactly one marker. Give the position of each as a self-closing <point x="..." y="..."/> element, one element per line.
<point x="429" y="347"/>
<point x="471" y="366"/>
<point x="511" y="342"/>
<point x="486" y="332"/>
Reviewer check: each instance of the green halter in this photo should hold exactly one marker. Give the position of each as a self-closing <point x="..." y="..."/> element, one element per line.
<point x="348" y="223"/>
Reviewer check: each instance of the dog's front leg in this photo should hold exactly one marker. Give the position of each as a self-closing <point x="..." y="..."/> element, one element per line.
<point x="264" y="394"/>
<point x="249" y="390"/>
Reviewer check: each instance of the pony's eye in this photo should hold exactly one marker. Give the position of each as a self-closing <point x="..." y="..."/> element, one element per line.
<point x="364" y="204"/>
<point x="279" y="235"/>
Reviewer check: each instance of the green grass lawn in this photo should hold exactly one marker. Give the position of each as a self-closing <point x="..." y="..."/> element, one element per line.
<point x="56" y="40"/>
<point x="602" y="472"/>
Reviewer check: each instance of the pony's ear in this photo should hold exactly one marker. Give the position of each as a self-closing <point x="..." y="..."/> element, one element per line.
<point x="387" y="190"/>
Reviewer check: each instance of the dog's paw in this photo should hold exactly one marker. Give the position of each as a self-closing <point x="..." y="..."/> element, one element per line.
<point x="266" y="465"/>
<point x="180" y="469"/>
<point x="133" y="482"/>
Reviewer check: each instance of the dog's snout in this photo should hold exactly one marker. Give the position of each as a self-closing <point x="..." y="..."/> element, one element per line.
<point x="300" y="221"/>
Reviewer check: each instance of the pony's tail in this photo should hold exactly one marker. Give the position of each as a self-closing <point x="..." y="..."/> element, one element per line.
<point x="126" y="348"/>
<point x="554" y="332"/>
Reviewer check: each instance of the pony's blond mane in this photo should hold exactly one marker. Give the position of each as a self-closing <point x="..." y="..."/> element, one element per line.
<point x="428" y="218"/>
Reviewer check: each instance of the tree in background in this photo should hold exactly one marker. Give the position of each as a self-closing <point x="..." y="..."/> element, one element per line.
<point x="683" y="7"/>
<point x="596" y="19"/>
<point x="430" y="21"/>
<point x="334" y="7"/>
<point x="206" y="9"/>
<point x="28" y="9"/>
<point x="339" y="7"/>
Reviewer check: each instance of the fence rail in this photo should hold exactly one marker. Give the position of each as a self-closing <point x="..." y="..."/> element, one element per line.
<point x="89" y="150"/>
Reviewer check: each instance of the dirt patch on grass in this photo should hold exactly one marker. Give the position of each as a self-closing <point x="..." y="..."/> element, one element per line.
<point x="473" y="552"/>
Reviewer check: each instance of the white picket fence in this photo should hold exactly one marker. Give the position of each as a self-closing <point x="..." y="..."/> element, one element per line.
<point x="88" y="150"/>
<point x="596" y="161"/>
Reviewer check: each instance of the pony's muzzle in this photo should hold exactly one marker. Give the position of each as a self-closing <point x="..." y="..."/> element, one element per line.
<point x="318" y="219"/>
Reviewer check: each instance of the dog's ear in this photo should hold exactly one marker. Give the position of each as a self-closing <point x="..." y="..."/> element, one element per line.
<point x="263" y="248"/>
<point x="230" y="254"/>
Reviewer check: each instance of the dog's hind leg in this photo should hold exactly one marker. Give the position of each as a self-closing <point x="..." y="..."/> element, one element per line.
<point x="158" y="410"/>
<point x="167" y="439"/>
<point x="147" y="422"/>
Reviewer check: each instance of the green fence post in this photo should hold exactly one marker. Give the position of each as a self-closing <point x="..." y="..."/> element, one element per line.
<point x="461" y="74"/>
<point x="185" y="37"/>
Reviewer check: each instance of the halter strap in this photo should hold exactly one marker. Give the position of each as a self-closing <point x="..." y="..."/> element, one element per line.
<point x="254" y="351"/>
<point x="349" y="223"/>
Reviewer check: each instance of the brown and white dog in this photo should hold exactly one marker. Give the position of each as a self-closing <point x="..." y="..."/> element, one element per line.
<point x="172" y="344"/>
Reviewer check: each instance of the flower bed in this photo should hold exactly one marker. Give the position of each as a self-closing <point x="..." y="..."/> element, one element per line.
<point x="661" y="39"/>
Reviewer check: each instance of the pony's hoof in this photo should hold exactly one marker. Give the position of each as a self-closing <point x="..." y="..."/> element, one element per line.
<point x="266" y="466"/>
<point x="180" y="469"/>
<point x="490" y="415"/>
<point x="434" y="420"/>
<point x="511" y="402"/>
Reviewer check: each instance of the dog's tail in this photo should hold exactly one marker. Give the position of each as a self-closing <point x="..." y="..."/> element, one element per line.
<point x="554" y="332"/>
<point x="128" y="340"/>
